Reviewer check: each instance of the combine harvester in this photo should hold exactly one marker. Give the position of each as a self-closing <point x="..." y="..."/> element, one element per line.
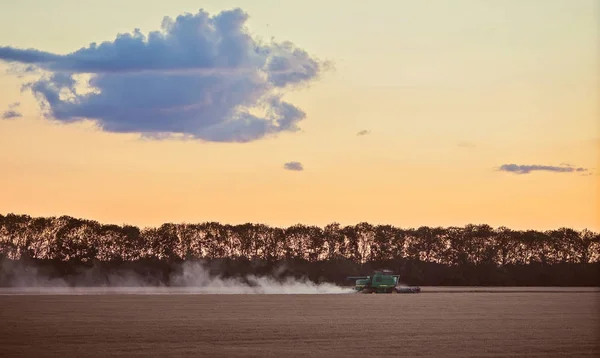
<point x="381" y="282"/>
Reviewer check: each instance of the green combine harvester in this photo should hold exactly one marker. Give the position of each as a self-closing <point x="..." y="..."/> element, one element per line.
<point x="381" y="282"/>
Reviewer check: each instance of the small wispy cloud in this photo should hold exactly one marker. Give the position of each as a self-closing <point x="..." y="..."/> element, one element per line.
<point x="526" y="169"/>
<point x="363" y="132"/>
<point x="465" y="144"/>
<point x="295" y="166"/>
<point x="11" y="114"/>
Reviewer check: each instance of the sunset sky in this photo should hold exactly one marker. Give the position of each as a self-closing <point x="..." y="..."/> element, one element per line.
<point x="408" y="113"/>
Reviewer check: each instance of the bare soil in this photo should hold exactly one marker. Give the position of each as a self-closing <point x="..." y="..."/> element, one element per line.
<point x="440" y="324"/>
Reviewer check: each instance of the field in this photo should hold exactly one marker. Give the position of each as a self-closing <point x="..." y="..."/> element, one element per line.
<point x="451" y="322"/>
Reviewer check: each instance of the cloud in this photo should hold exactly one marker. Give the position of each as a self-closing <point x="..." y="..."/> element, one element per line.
<point x="465" y="144"/>
<point x="297" y="166"/>
<point x="526" y="169"/>
<point x="11" y="114"/>
<point x="200" y="76"/>
<point x="363" y="132"/>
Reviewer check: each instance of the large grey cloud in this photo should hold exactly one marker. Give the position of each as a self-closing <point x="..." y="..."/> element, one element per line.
<point x="526" y="169"/>
<point x="200" y="76"/>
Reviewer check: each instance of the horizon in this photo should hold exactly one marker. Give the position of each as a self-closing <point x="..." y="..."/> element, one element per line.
<point x="309" y="113"/>
<point x="322" y="226"/>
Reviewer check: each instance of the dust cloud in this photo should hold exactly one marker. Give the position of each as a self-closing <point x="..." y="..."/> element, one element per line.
<point x="196" y="276"/>
<point x="191" y="278"/>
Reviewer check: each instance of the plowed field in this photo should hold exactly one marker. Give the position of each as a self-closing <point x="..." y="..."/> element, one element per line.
<point x="436" y="324"/>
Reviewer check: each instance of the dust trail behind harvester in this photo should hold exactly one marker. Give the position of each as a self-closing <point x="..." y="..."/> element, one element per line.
<point x="193" y="278"/>
<point x="196" y="277"/>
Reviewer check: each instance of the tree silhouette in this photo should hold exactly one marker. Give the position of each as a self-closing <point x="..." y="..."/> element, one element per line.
<point x="469" y="255"/>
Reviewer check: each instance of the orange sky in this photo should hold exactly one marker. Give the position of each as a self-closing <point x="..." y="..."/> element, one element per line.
<point x="516" y="83"/>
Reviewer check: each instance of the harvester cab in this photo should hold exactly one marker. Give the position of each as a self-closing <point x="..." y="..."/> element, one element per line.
<point x="381" y="282"/>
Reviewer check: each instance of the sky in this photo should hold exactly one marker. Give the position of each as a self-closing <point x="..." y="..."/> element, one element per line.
<point x="438" y="113"/>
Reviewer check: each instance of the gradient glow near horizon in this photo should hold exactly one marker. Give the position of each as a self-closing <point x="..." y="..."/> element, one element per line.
<point x="407" y="113"/>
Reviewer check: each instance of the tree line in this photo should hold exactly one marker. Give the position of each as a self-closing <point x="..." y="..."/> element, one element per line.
<point x="468" y="255"/>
